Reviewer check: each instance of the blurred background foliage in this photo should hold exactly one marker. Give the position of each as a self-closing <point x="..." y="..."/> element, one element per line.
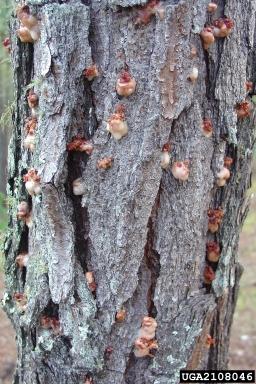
<point x="7" y="336"/>
<point x="6" y="99"/>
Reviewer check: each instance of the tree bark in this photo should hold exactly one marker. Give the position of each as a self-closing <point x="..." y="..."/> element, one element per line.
<point x="142" y="232"/>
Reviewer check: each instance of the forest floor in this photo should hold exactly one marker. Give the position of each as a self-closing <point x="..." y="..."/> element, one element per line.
<point x="243" y="338"/>
<point x="7" y="345"/>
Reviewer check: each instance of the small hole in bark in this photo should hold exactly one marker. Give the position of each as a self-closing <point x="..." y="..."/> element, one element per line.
<point x="33" y="337"/>
<point x="88" y="378"/>
<point x="23" y="246"/>
<point x="67" y="342"/>
<point x="51" y="310"/>
<point x="86" y="2"/>
<point x="80" y="218"/>
<point x="77" y="297"/>
<point x="108" y="352"/>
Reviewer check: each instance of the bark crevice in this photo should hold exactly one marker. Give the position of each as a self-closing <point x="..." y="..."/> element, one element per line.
<point x="152" y="258"/>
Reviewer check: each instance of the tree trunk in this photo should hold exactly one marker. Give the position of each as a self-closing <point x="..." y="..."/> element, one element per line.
<point x="142" y="232"/>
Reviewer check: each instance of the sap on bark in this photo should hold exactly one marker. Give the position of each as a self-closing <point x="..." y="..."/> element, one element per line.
<point x="80" y="144"/>
<point x="210" y="342"/>
<point x="249" y="86"/>
<point x="121" y="316"/>
<point x="22" y="260"/>
<point x="222" y="27"/>
<point x="223" y="176"/>
<point x="144" y="347"/>
<point x="116" y="124"/>
<point x="212" y="7"/>
<point x="32" y="182"/>
<point x="207" y="37"/>
<point x="30" y="128"/>
<point x="50" y="322"/>
<point x="148" y="328"/>
<point x="7" y="44"/>
<point x="228" y="161"/>
<point x="180" y="170"/>
<point x="145" y="344"/>
<point x="91" y="281"/>
<point x="29" y="142"/>
<point x="209" y="275"/>
<point x="31" y="124"/>
<point x="146" y="13"/>
<point x="23" y="210"/>
<point x="24" y="35"/>
<point x="78" y="187"/>
<point x="207" y="127"/>
<point x="29" y="31"/>
<point x="88" y="380"/>
<point x="108" y="352"/>
<point x="165" y="155"/>
<point x="126" y="84"/>
<point x="244" y="109"/>
<point x="24" y="213"/>
<point x="32" y="100"/>
<point x="193" y="76"/>
<point x="215" y="217"/>
<point x="213" y="251"/>
<point x="105" y="163"/>
<point x="91" y="72"/>
<point x="21" y="301"/>
<point x="193" y="52"/>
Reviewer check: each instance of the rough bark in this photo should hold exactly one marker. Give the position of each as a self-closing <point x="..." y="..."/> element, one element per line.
<point x="141" y="231"/>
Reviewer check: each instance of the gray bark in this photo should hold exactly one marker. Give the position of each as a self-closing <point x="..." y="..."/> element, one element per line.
<point x="141" y="231"/>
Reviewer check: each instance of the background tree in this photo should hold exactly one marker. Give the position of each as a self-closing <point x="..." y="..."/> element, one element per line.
<point x="6" y="92"/>
<point x="142" y="232"/>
